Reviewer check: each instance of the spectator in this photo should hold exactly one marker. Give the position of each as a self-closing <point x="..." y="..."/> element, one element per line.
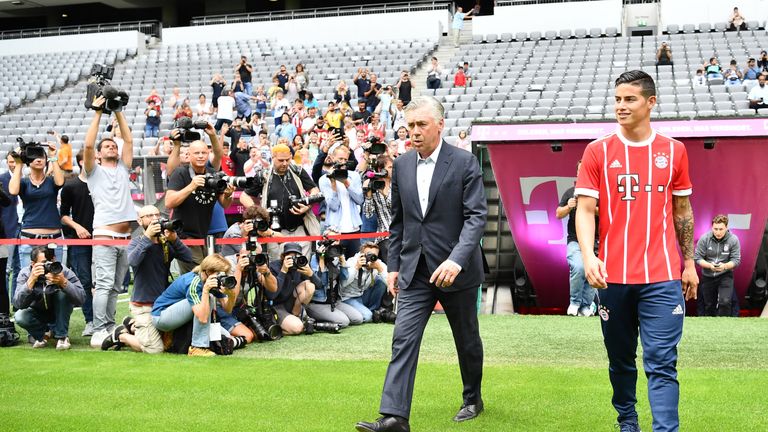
<point x="333" y="116"/>
<point x="374" y="127"/>
<point x="183" y="111"/>
<point x="110" y="187"/>
<point x="712" y="69"/>
<point x="398" y="117"/>
<point x="762" y="63"/>
<point x="664" y="55"/>
<point x="237" y="84"/>
<point x="331" y="271"/>
<point x="467" y="74"/>
<point x="188" y="298"/>
<point x="737" y="21"/>
<point x="285" y="129"/>
<point x="459" y="79"/>
<point x="403" y="143"/>
<point x="187" y="192"/>
<point x="404" y="87"/>
<point x="751" y="73"/>
<point x="226" y="109"/>
<point x="77" y="219"/>
<point x="434" y="75"/>
<point x="153" y="120"/>
<point x="153" y="96"/>
<point x="309" y="121"/>
<point x="343" y="197"/>
<point x="65" y="153"/>
<point x="310" y="101"/>
<point x="257" y="124"/>
<point x="150" y="255"/>
<point x="203" y="109"/>
<point x="282" y="77"/>
<point x="296" y="286"/>
<point x="10" y="221"/>
<point x="733" y="74"/>
<point x="365" y="284"/>
<point x="341" y="93"/>
<point x="292" y="89"/>
<point x="261" y="101"/>
<point x="44" y="300"/>
<point x="297" y="113"/>
<point x="244" y="71"/>
<point x="243" y="106"/>
<point x="699" y="80"/>
<point x="463" y="141"/>
<point x="718" y="252"/>
<point x="176" y="99"/>
<point x="272" y="91"/>
<point x="361" y="116"/>
<point x="279" y="106"/>
<point x="371" y="96"/>
<point x="458" y="23"/>
<point x="362" y="82"/>
<point x="238" y="149"/>
<point x="218" y="84"/>
<point x="758" y="96"/>
<point x="255" y="163"/>
<point x="385" y="106"/>
<point x="302" y="80"/>
<point x="38" y="193"/>
<point x="378" y="202"/>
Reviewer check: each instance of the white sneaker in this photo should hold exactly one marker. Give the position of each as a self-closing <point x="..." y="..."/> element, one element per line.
<point x="63" y="344"/>
<point x="88" y="330"/>
<point x="39" y="344"/>
<point x="573" y="310"/>
<point x="585" y="311"/>
<point x="98" y="337"/>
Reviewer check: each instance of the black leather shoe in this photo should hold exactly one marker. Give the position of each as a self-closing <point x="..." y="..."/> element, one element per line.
<point x="468" y="412"/>
<point x="385" y="424"/>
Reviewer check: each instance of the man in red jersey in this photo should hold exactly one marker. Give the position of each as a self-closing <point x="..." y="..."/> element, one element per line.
<point x="641" y="179"/>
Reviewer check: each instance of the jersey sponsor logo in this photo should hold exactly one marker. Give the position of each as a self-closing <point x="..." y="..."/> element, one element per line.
<point x="615" y="164"/>
<point x="661" y="160"/>
<point x="678" y="310"/>
<point x="629" y="184"/>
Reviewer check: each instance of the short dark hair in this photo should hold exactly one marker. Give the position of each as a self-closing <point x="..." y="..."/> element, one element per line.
<point x="640" y="79"/>
<point x="37" y="250"/>
<point x="64" y="139"/>
<point x="98" y="146"/>
<point x="721" y="218"/>
<point x="79" y="157"/>
<point x="369" y="245"/>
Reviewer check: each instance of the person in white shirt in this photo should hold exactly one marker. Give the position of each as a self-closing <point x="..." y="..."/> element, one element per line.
<point x="758" y="96"/>
<point x="226" y="109"/>
<point x="203" y="109"/>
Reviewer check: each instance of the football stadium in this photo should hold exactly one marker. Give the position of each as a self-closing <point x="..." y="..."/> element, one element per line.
<point x="269" y="215"/>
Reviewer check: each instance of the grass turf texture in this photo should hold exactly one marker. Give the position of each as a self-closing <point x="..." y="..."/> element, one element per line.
<point x="542" y="373"/>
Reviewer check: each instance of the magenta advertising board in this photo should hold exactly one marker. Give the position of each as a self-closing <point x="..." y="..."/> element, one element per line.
<point x="729" y="178"/>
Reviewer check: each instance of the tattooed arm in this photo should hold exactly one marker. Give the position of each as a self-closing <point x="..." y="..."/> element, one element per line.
<point x="683" y="216"/>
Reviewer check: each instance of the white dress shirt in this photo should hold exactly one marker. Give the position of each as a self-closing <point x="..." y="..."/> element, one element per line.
<point x="424" y="170"/>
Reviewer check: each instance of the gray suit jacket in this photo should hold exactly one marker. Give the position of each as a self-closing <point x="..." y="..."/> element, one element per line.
<point x="453" y="224"/>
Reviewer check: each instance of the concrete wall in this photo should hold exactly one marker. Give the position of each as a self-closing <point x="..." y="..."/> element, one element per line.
<point x="54" y="44"/>
<point x="550" y="16"/>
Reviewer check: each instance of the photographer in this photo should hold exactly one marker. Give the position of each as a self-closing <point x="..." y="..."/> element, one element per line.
<point x="113" y="211"/>
<point x="282" y="183"/>
<point x="296" y="285"/>
<point x="45" y="298"/>
<point x="38" y="193"/>
<point x="150" y="255"/>
<point x="189" y="298"/>
<point x="192" y="194"/>
<point x="343" y="192"/>
<point x="254" y="217"/>
<point x="378" y="201"/>
<point x="244" y="69"/>
<point x="365" y="283"/>
<point x="330" y="266"/>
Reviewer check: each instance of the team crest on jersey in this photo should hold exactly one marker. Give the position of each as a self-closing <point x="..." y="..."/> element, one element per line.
<point x="603" y="312"/>
<point x="661" y="160"/>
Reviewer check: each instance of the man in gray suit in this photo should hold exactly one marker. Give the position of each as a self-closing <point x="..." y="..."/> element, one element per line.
<point x="438" y="217"/>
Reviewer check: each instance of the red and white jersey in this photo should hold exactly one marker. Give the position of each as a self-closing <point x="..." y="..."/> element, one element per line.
<point x="634" y="183"/>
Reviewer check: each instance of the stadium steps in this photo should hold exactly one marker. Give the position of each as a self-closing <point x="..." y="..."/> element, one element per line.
<point x="445" y="51"/>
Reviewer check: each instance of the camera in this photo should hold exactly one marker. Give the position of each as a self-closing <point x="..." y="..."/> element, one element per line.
<point x="29" y="151"/>
<point x="216" y="182"/>
<point x="384" y="316"/>
<point x="307" y="200"/>
<point x="274" y="214"/>
<point x="170" y="225"/>
<point x="371" y="257"/>
<point x="340" y="171"/>
<point x="244" y="182"/>
<point x="311" y="326"/>
<point x="328" y="248"/>
<point x="258" y="259"/>
<point x="300" y="261"/>
<point x="185" y="125"/>
<point x="53" y="267"/>
<point x="99" y="85"/>
<point x="223" y="281"/>
<point x="376" y="183"/>
<point x="258" y="224"/>
<point x="374" y="146"/>
<point x="263" y="325"/>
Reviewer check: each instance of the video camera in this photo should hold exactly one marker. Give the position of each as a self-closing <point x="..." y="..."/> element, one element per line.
<point x="185" y="125"/>
<point x="374" y="146"/>
<point x="307" y="200"/>
<point x="340" y="171"/>
<point x="376" y="182"/>
<point x="29" y="151"/>
<point x="99" y="85"/>
<point x="329" y="249"/>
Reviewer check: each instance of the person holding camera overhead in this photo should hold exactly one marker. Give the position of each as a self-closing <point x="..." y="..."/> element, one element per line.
<point x="46" y="294"/>
<point x="283" y="186"/>
<point x="365" y="283"/>
<point x="38" y="193"/>
<point x="113" y="211"/>
<point x="244" y="70"/>
<point x="150" y="255"/>
<point x="189" y="298"/>
<point x="343" y="191"/>
<point x="296" y="284"/>
<point x="193" y="191"/>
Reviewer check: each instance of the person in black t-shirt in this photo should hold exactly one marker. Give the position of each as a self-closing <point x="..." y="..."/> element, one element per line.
<point x="218" y="84"/>
<point x="582" y="295"/>
<point x="282" y="77"/>
<point x="361" y="116"/>
<point x="362" y="82"/>
<point x="77" y="218"/>
<point x="192" y="200"/>
<point x="404" y="87"/>
<point x="238" y="146"/>
<point x="245" y="70"/>
<point x="283" y="183"/>
<point x="372" y="94"/>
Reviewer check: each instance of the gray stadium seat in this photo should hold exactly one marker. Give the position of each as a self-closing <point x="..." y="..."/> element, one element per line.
<point x="705" y="28"/>
<point x="689" y="28"/>
<point x="673" y="29"/>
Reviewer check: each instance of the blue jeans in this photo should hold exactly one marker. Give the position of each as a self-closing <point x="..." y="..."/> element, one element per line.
<point x="370" y="224"/>
<point x="655" y="312"/>
<point x="248" y="88"/>
<point x="179" y="314"/>
<point x="370" y="300"/>
<point x="25" y="250"/>
<point x="12" y="269"/>
<point x="80" y="261"/>
<point x="582" y="294"/>
<point x="151" y="131"/>
<point x="109" y="266"/>
<point x="36" y="322"/>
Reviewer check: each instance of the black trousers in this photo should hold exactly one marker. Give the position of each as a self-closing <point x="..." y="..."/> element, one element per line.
<point x="717" y="292"/>
<point x="415" y="305"/>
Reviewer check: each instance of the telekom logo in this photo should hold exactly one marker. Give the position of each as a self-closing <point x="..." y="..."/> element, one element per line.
<point x="628" y="183"/>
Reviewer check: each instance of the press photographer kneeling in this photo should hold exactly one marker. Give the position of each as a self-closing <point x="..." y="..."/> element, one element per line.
<point x="329" y="264"/>
<point x="46" y="294"/>
<point x="365" y="284"/>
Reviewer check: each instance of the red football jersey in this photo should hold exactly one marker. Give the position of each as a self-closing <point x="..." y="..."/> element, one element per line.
<point x="634" y="183"/>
